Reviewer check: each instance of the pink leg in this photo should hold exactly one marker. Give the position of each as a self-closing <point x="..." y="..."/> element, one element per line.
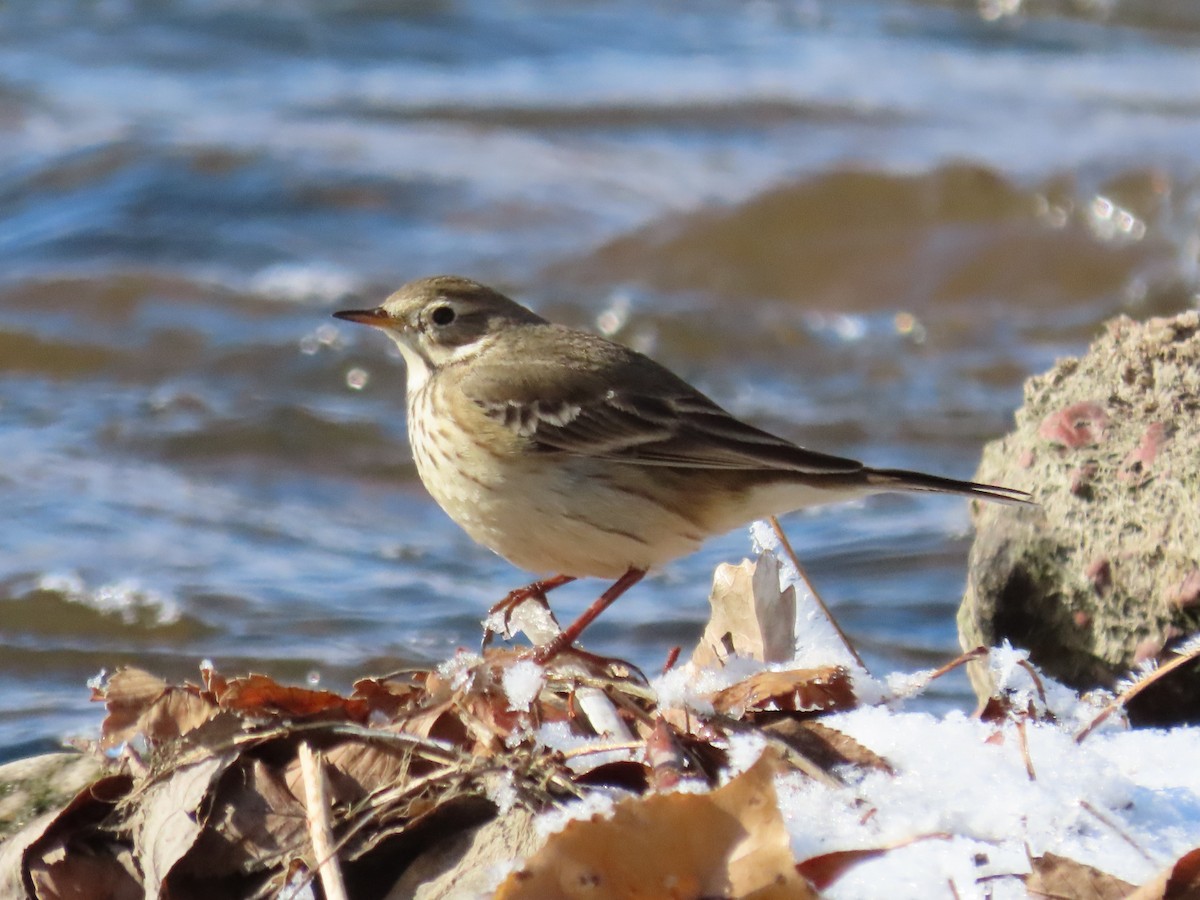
<point x="571" y="633"/>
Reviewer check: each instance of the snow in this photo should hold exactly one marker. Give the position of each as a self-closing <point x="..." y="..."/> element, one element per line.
<point x="1127" y="803"/>
<point x="522" y="682"/>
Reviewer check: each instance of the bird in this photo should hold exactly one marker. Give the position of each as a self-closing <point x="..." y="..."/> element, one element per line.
<point x="574" y="456"/>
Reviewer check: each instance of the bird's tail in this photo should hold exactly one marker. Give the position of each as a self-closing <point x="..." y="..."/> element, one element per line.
<point x="903" y="480"/>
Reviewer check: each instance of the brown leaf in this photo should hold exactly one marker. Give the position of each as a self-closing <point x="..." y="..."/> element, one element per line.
<point x="37" y="853"/>
<point x="1057" y="876"/>
<point x="728" y="843"/>
<point x="356" y="768"/>
<point x="750" y="616"/>
<point x="168" y="821"/>
<point x="822" y="871"/>
<point x="256" y="822"/>
<point x="262" y="695"/>
<point x="797" y="690"/>
<point x="141" y="703"/>
<point x="83" y="874"/>
<point x="1180" y="882"/>
<point x="387" y="696"/>
<point x="826" y="747"/>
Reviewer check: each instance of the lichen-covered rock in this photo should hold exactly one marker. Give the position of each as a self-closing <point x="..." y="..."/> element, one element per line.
<point x="1105" y="574"/>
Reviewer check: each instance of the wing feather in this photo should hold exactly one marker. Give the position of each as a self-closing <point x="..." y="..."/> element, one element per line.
<point x="608" y="402"/>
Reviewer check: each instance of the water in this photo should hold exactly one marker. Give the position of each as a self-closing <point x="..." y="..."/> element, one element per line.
<point x="859" y="224"/>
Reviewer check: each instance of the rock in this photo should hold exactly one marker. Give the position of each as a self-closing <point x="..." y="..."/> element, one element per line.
<point x="33" y="786"/>
<point x="1106" y="573"/>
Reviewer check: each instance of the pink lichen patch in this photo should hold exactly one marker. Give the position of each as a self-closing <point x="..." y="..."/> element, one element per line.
<point x="1135" y="467"/>
<point x="1078" y="425"/>
<point x="1099" y="573"/>
<point x="1188" y="591"/>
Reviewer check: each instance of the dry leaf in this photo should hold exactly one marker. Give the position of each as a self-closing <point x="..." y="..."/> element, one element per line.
<point x="827" y="747"/>
<point x="797" y="690"/>
<point x="83" y="874"/>
<point x="1180" y="882"/>
<point x="357" y="768"/>
<point x="141" y="703"/>
<point x="261" y="695"/>
<point x="40" y="853"/>
<point x="750" y="617"/>
<point x="728" y="843"/>
<point x="168" y="822"/>
<point x="256" y="822"/>
<point x="1057" y="876"/>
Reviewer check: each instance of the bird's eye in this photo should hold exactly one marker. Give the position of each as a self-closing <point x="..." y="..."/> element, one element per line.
<point x="442" y="315"/>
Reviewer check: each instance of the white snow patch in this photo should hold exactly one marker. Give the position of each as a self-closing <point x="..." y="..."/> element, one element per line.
<point x="1109" y="802"/>
<point x="522" y="682"/>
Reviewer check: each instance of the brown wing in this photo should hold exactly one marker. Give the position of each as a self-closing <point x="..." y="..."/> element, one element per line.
<point x="570" y="392"/>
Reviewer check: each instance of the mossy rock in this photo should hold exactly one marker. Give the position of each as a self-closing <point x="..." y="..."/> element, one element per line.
<point x="1105" y="574"/>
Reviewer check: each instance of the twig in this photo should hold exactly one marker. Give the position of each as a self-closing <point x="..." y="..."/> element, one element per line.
<point x="1037" y="680"/>
<point x="601" y="748"/>
<point x="812" y="589"/>
<point x="1117" y="829"/>
<point x="1133" y="690"/>
<point x="316" y="794"/>
<point x="961" y="660"/>
<point x="1024" y="744"/>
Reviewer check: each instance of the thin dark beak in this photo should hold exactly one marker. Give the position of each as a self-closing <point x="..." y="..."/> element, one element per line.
<point x="376" y="317"/>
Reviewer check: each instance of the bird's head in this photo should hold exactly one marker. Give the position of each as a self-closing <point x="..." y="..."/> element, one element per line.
<point x="440" y="320"/>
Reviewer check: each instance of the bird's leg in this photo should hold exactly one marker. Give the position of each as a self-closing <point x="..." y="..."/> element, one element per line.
<point x="571" y="633"/>
<point x="536" y="591"/>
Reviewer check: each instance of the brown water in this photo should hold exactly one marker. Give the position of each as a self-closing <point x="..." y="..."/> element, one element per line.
<point x="859" y="224"/>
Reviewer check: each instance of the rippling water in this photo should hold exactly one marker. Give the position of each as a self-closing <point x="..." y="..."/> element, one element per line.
<point x="859" y="224"/>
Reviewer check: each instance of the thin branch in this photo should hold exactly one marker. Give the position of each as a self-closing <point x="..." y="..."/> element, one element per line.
<point x="812" y="589"/>
<point x="316" y="794"/>
<point x="1133" y="690"/>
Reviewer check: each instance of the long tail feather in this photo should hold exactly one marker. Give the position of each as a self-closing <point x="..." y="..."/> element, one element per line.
<point x="904" y="480"/>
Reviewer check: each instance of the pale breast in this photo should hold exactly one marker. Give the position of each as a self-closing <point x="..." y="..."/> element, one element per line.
<point x="549" y="512"/>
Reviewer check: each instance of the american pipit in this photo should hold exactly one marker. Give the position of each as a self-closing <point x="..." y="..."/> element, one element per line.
<point x="572" y="456"/>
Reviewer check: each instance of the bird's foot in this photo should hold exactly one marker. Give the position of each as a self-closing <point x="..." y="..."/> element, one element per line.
<point x="499" y="618"/>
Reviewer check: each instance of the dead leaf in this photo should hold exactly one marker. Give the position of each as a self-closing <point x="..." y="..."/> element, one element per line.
<point x="1057" y="876"/>
<point x="796" y="690"/>
<point x="256" y="823"/>
<point x="827" y="747"/>
<point x="388" y="697"/>
<point x="750" y="616"/>
<point x="168" y="818"/>
<point x="141" y="703"/>
<point x="728" y="843"/>
<point x="1180" y="882"/>
<point x="357" y="768"/>
<point x="262" y="695"/>
<point x="38" y="852"/>
<point x="822" y="871"/>
<point x="85" y="873"/>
